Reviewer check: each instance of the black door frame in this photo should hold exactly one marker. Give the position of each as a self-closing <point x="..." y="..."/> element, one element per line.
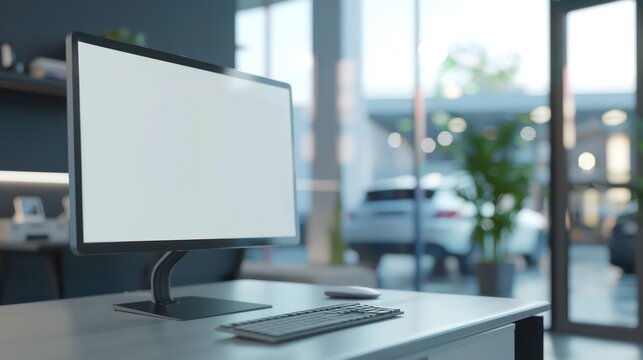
<point x="559" y="9"/>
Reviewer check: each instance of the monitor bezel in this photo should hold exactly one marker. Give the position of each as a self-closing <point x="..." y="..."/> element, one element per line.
<point x="77" y="243"/>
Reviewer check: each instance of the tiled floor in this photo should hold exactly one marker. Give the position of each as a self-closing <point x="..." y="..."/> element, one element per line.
<point x="568" y="347"/>
<point x="599" y="292"/>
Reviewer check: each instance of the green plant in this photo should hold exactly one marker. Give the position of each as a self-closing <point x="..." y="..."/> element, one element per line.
<point x="337" y="245"/>
<point x="501" y="183"/>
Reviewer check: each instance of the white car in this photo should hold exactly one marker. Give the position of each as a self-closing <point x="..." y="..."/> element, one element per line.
<point x="384" y="221"/>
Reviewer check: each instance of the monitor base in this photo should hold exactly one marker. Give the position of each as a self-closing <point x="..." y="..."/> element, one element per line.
<point x="188" y="308"/>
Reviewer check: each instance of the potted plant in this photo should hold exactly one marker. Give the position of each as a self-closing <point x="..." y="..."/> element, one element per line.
<point x="501" y="186"/>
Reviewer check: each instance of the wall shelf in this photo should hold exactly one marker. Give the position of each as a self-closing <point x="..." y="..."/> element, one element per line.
<point x="26" y="83"/>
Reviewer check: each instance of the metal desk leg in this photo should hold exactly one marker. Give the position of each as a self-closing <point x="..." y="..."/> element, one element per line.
<point x="529" y="339"/>
<point x="4" y="270"/>
<point x="54" y="261"/>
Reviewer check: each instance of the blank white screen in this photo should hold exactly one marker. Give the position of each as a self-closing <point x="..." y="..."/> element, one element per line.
<point x="170" y="152"/>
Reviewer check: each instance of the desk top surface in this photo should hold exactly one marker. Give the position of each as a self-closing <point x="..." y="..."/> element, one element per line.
<point x="85" y="328"/>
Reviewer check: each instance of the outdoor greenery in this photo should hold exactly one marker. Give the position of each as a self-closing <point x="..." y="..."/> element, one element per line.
<point x="472" y="70"/>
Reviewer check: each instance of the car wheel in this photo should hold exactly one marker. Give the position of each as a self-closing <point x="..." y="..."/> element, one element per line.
<point x="369" y="255"/>
<point x="464" y="264"/>
<point x="533" y="258"/>
<point x="628" y="269"/>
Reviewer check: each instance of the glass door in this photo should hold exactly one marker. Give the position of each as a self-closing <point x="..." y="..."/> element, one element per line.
<point x="595" y="257"/>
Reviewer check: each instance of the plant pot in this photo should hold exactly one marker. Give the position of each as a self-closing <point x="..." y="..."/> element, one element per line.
<point x="495" y="279"/>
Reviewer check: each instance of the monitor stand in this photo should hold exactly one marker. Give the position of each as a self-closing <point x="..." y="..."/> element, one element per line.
<point x="182" y="308"/>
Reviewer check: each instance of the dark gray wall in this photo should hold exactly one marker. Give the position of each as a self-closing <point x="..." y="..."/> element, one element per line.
<point x="32" y="127"/>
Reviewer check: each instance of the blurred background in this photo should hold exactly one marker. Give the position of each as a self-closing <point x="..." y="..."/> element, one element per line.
<point x="475" y="69"/>
<point x="431" y="137"/>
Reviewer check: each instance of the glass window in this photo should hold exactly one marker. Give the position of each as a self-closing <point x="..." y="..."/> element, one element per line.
<point x="291" y="52"/>
<point x="276" y="41"/>
<point x="495" y="46"/>
<point x="251" y="41"/>
<point x="599" y="108"/>
<point x="387" y="48"/>
<point x="478" y="69"/>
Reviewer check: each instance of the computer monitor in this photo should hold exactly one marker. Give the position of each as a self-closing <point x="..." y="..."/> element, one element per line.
<point x="167" y="153"/>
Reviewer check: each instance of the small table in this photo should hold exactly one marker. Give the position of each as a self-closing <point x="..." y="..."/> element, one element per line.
<point x="435" y="326"/>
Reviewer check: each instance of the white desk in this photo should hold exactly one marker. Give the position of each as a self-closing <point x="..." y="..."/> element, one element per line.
<point x="434" y="326"/>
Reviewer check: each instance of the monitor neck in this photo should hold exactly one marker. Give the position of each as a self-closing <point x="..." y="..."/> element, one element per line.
<point x="183" y="308"/>
<point x="161" y="276"/>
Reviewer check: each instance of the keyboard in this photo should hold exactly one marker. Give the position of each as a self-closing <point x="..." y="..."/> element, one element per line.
<point x="279" y="328"/>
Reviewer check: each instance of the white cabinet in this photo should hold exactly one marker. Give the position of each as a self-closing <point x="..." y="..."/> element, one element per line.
<point x="496" y="344"/>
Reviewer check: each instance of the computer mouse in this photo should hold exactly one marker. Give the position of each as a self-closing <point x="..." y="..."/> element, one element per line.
<point x="352" y="292"/>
